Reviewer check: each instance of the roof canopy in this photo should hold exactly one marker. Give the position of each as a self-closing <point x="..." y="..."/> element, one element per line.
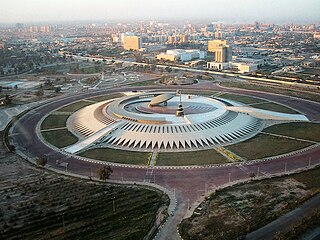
<point x="161" y="98"/>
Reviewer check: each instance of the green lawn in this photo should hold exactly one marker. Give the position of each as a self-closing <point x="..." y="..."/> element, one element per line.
<point x="275" y="107"/>
<point x="145" y="83"/>
<point x="190" y="158"/>
<point x="272" y="89"/>
<point x="308" y="131"/>
<point x="241" y="98"/>
<point x="117" y="156"/>
<point x="262" y="146"/>
<point x="54" y="121"/>
<point x="73" y="107"/>
<point x="60" y="138"/>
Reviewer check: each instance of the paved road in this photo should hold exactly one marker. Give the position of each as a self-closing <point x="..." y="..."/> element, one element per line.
<point x="284" y="223"/>
<point x="189" y="184"/>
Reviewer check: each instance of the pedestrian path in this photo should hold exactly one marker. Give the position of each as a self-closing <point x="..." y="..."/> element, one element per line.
<point x="288" y="137"/>
<point x="88" y="141"/>
<point x="6" y="114"/>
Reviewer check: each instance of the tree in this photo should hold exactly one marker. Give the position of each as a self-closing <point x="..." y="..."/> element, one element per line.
<point x="57" y="89"/>
<point x="105" y="172"/>
<point x="41" y="161"/>
<point x="252" y="175"/>
<point x="11" y="148"/>
<point x="7" y="100"/>
<point x="40" y="93"/>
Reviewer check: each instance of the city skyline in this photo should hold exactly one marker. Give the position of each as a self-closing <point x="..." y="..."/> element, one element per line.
<point x="230" y="11"/>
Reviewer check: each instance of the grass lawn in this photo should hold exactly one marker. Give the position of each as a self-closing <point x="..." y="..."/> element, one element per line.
<point x="275" y="107"/>
<point x="262" y="146"/>
<point x="105" y="97"/>
<point x="145" y="83"/>
<point x="60" y="138"/>
<point x="73" y="107"/>
<point x="273" y="89"/>
<point x="237" y="210"/>
<point x="308" y="131"/>
<point x="198" y="92"/>
<point x="241" y="98"/>
<point x="54" y="121"/>
<point x="117" y="156"/>
<point x="190" y="158"/>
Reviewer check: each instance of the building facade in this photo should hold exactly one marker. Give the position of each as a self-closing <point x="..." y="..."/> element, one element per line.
<point x="182" y="55"/>
<point x="222" y="51"/>
<point x="132" y="43"/>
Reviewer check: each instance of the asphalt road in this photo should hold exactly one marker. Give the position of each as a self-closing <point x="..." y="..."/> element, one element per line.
<point x="188" y="184"/>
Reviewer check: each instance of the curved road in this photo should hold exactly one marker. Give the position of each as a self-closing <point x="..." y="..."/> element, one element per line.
<point x="188" y="184"/>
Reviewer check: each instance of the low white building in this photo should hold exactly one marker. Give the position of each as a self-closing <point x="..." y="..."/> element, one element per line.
<point x="218" y="65"/>
<point x="240" y="67"/>
<point x="182" y="55"/>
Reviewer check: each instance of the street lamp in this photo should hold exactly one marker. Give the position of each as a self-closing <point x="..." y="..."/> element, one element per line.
<point x="63" y="224"/>
<point x="114" y="204"/>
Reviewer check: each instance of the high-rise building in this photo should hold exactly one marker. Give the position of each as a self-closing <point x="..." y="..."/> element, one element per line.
<point x="316" y="35"/>
<point x="222" y="51"/>
<point x="214" y="44"/>
<point x="183" y="38"/>
<point x="132" y="43"/>
<point x="171" y="39"/>
<point x="312" y="27"/>
<point x="219" y="34"/>
<point x="44" y="29"/>
<point x="221" y="54"/>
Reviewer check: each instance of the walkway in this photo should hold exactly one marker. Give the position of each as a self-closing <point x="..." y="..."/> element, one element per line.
<point x="88" y="141"/>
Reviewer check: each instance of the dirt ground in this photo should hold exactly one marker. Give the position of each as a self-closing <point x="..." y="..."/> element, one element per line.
<point x="235" y="211"/>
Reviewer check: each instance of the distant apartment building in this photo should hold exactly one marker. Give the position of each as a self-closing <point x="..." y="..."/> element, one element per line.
<point x="219" y="34"/>
<point x="171" y="39"/>
<point x="222" y="51"/>
<point x="132" y="43"/>
<point x="316" y="35"/>
<point x="182" y="38"/>
<point x="181" y="55"/>
<point x="35" y="29"/>
<point x="155" y="39"/>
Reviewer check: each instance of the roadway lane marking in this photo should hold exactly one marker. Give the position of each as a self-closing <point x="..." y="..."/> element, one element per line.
<point x="149" y="171"/>
<point x="243" y="168"/>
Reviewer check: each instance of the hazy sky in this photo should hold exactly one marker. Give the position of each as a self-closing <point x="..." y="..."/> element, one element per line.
<point x="277" y="11"/>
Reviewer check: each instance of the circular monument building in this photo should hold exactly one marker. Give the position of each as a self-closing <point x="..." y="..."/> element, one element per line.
<point x="168" y="121"/>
